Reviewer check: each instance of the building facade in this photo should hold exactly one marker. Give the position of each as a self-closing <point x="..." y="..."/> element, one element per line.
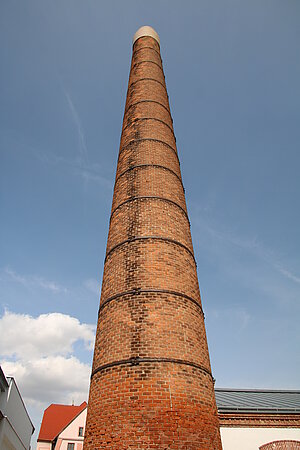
<point x="256" y="419"/>
<point x="16" y="427"/>
<point x="62" y="427"/>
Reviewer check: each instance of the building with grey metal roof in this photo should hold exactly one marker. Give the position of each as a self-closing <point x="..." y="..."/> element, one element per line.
<point x="258" y="401"/>
<point x="259" y="419"/>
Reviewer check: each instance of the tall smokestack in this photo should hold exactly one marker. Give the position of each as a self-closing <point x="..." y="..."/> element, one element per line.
<point x="151" y="383"/>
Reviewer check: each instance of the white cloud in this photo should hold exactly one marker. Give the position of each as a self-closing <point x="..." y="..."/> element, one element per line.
<point x="48" y="334"/>
<point x="33" y="281"/>
<point x="80" y="165"/>
<point x="92" y="285"/>
<point x="91" y="172"/>
<point x="288" y="274"/>
<point x="220" y="240"/>
<point x="238" y="318"/>
<point x="53" y="379"/>
<point x="77" y="121"/>
<point x="39" y="353"/>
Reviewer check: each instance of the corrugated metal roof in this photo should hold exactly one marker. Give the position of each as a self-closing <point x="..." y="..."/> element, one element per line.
<point x="257" y="401"/>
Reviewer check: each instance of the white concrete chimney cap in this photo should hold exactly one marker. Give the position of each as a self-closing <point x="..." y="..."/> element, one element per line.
<point x="145" y="31"/>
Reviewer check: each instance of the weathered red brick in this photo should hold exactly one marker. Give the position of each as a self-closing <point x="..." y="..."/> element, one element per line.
<point x="151" y="385"/>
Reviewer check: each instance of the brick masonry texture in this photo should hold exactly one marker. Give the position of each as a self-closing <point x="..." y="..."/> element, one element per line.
<point x="259" y="420"/>
<point x="281" y="445"/>
<point x="151" y="384"/>
<point x="148" y="152"/>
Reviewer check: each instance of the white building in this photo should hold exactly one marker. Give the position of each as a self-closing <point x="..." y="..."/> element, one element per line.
<point x="16" y="427"/>
<point x="256" y="419"/>
<point x="62" y="427"/>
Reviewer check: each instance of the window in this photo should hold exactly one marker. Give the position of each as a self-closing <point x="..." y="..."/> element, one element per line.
<point x="70" y="446"/>
<point x="80" y="431"/>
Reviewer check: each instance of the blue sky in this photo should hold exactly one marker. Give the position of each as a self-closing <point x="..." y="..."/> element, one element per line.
<point x="232" y="71"/>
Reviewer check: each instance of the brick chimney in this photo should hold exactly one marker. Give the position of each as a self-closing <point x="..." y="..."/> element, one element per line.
<point x="151" y="383"/>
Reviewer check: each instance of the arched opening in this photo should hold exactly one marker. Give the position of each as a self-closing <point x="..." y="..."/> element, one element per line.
<point x="281" y="445"/>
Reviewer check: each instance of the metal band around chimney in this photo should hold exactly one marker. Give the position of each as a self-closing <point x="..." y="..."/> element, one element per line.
<point x="148" y="101"/>
<point x="148" y="139"/>
<point x="146" y="46"/>
<point x="136" y="360"/>
<point x="146" y="238"/>
<point x="150" y="197"/>
<point x="157" y="166"/>
<point x="148" y="79"/>
<point x="147" y="61"/>
<point x="138" y="119"/>
<point x="138" y="291"/>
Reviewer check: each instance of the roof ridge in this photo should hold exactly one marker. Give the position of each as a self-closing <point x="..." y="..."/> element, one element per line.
<point x="284" y="391"/>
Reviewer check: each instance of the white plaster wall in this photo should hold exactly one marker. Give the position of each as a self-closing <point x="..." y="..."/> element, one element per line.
<point x="70" y="433"/>
<point x="253" y="438"/>
<point x="43" y="446"/>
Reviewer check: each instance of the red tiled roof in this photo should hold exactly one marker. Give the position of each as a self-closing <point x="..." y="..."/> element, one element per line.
<point x="56" y="418"/>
